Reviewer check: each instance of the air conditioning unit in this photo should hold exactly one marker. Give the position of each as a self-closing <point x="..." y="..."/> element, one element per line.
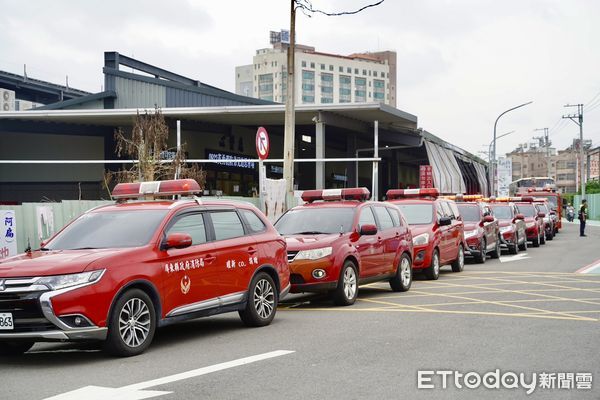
<point x="7" y="100"/>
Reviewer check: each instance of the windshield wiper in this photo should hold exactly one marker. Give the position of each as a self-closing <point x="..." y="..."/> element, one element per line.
<point x="85" y="248"/>
<point x="310" y="233"/>
<point x="44" y="249"/>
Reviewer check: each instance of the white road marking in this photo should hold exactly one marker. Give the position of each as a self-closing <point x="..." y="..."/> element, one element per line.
<point x="593" y="268"/>
<point x="516" y="257"/>
<point x="136" y="391"/>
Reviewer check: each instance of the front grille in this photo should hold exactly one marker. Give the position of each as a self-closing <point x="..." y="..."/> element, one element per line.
<point x="291" y="255"/>
<point x="26" y="311"/>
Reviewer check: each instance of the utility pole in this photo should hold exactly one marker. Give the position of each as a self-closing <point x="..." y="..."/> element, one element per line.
<point x="547" y="146"/>
<point x="578" y="119"/>
<point x="289" y="136"/>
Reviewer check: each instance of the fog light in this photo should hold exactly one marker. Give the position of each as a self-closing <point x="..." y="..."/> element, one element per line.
<point x="318" y="274"/>
<point x="78" y="321"/>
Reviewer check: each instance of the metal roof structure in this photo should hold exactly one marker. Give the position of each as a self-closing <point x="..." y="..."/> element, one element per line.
<point x="36" y="90"/>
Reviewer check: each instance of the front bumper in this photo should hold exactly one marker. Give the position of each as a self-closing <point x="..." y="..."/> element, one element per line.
<point x="302" y="279"/>
<point x="34" y="317"/>
<point x="422" y="256"/>
<point x="473" y="248"/>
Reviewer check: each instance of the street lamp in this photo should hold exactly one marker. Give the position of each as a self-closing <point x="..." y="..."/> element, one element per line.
<point x="493" y="158"/>
<point x="490" y="146"/>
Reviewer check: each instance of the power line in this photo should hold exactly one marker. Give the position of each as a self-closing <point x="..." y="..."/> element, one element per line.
<point x="307" y="8"/>
<point x="589" y="103"/>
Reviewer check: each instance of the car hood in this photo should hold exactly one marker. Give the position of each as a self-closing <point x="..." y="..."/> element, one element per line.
<point x="469" y="226"/>
<point x="306" y="242"/>
<point x="504" y="222"/>
<point x="54" y="262"/>
<point x="419" y="229"/>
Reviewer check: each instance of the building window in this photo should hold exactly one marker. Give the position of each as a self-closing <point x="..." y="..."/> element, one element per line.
<point x="348" y="70"/>
<point x="331" y="67"/>
<point x="265" y="87"/>
<point x="375" y="74"/>
<point x="323" y="66"/>
<point x="326" y="88"/>
<point x="303" y="64"/>
<point x="360" y="90"/>
<point x="378" y="89"/>
<point x="345" y="89"/>
<point x="312" y="64"/>
<point x="364" y="72"/>
<point x="308" y="86"/>
<point x="341" y="69"/>
<point x="355" y="71"/>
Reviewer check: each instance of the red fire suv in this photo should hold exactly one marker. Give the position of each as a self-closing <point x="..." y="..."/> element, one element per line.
<point x="550" y="217"/>
<point x="338" y="240"/>
<point x="482" y="232"/>
<point x="534" y="221"/>
<point x="554" y="199"/>
<point x="437" y="230"/>
<point x="119" y="271"/>
<point x="512" y="226"/>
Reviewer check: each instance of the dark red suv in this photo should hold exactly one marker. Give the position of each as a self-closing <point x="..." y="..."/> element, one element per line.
<point x="482" y="232"/>
<point x="118" y="272"/>
<point x="338" y="240"/>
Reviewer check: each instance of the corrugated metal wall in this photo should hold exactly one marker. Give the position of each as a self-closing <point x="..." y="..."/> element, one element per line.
<point x="593" y="201"/>
<point x="185" y="98"/>
<point x="27" y="216"/>
<point x="137" y="94"/>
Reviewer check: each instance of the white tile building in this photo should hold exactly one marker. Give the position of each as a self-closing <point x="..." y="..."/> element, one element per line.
<point x="321" y="78"/>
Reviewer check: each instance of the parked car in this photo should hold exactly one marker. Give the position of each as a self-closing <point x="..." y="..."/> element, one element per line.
<point x="482" y="232"/>
<point x="338" y="241"/>
<point x="437" y="230"/>
<point x="550" y="218"/>
<point x="511" y="225"/>
<point x="118" y="272"/>
<point x="534" y="221"/>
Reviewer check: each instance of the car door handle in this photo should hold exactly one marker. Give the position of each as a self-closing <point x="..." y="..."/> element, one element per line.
<point x="209" y="259"/>
<point x="251" y="250"/>
<point x="379" y="238"/>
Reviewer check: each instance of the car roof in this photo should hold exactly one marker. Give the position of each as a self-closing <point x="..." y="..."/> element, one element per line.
<point x="172" y="204"/>
<point x="413" y="201"/>
<point x="334" y="204"/>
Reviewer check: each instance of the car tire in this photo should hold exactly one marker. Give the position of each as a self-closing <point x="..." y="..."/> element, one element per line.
<point x="497" y="250"/>
<point x="536" y="242"/>
<point x="403" y="278"/>
<point x="550" y="235"/>
<point x="346" y="291"/>
<point x="543" y="238"/>
<point x="433" y="271"/>
<point x="523" y="246"/>
<point x="262" y="301"/>
<point x="514" y="249"/>
<point x="482" y="257"/>
<point x="131" y="325"/>
<point x="14" y="348"/>
<point x="459" y="264"/>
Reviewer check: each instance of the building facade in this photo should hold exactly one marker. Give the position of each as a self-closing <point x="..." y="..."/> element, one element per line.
<point x="321" y="78"/>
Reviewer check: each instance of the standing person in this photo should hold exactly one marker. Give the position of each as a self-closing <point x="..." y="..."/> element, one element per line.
<point x="582" y="217"/>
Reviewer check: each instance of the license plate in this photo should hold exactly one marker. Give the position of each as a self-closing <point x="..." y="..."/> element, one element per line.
<point x="6" y="321"/>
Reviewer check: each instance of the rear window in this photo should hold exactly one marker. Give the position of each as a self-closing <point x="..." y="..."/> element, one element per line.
<point x="313" y="220"/>
<point x="417" y="214"/>
<point x="502" y="212"/>
<point x="469" y="213"/>
<point x="527" y="210"/>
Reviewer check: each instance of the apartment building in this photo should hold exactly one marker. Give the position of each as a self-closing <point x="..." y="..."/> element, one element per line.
<point x="320" y="78"/>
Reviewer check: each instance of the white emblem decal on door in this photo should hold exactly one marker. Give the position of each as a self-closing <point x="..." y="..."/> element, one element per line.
<point x="186" y="284"/>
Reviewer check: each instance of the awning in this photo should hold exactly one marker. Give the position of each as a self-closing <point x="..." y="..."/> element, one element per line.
<point x="447" y="175"/>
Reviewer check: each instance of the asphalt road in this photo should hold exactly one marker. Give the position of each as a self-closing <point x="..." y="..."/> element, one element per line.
<point x="527" y="314"/>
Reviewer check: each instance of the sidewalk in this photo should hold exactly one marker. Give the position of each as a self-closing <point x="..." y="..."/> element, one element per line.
<point x="589" y="222"/>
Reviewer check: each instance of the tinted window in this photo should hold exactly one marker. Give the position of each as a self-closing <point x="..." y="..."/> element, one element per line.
<point x="502" y="212"/>
<point x="193" y="225"/>
<point x="527" y="210"/>
<point x="108" y="229"/>
<point x="385" y="220"/>
<point x="395" y="216"/>
<point x="255" y="223"/>
<point x="227" y="225"/>
<point x="417" y="214"/>
<point x="469" y="213"/>
<point x="366" y="217"/>
<point x="315" y="220"/>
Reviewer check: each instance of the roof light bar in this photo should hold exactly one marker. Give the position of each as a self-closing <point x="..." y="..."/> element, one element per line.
<point x="155" y="189"/>
<point x="360" y="194"/>
<point x="406" y="193"/>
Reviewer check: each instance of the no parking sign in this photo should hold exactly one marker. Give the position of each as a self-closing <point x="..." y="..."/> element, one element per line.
<point x="262" y="143"/>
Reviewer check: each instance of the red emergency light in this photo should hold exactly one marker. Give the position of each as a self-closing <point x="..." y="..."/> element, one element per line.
<point x="155" y="189"/>
<point x="393" y="194"/>
<point x="360" y="194"/>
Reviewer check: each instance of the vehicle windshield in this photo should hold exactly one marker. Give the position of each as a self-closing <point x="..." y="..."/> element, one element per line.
<point x="108" y="229"/>
<point x="527" y="210"/>
<point x="469" y="213"/>
<point x="502" y="212"/>
<point x="417" y="214"/>
<point x="314" y="221"/>
<point x="543" y="208"/>
<point x="553" y="200"/>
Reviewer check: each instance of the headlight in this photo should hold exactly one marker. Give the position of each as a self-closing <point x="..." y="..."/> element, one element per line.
<point x="421" y="239"/>
<point x="504" y="229"/>
<point x="314" y="254"/>
<point x="472" y="233"/>
<point x="530" y="224"/>
<point x="56" y="282"/>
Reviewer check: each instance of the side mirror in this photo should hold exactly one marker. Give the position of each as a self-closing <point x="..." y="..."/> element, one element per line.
<point x="552" y="212"/>
<point x="520" y="216"/>
<point x="368" y="229"/>
<point x="488" y="218"/>
<point x="177" y="241"/>
<point x="445" y="221"/>
<point x="541" y="214"/>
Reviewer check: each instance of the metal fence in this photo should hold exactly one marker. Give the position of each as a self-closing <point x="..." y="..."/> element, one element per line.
<point x="38" y="221"/>
<point x="593" y="201"/>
